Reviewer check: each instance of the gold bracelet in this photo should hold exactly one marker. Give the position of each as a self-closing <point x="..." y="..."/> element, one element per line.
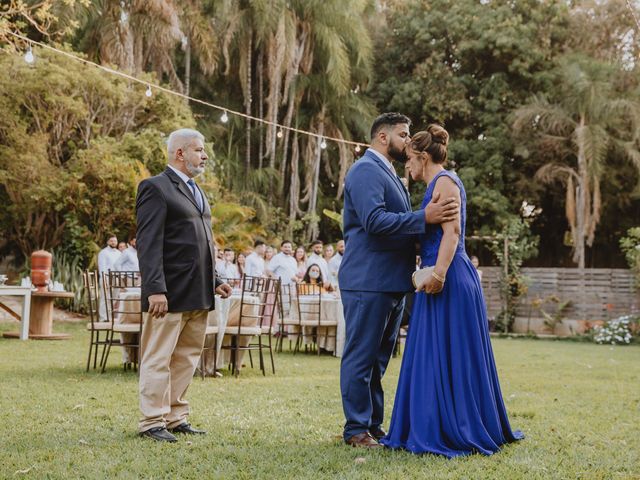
<point x="437" y="277"/>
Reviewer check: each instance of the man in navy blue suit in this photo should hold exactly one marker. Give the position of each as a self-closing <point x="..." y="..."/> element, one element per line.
<point x="380" y="232"/>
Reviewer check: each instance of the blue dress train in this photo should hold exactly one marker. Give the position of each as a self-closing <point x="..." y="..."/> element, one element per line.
<point x="448" y="400"/>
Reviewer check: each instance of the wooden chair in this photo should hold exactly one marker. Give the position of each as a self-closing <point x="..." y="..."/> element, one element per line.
<point x="212" y="330"/>
<point x="309" y="300"/>
<point x="257" y="308"/>
<point x="286" y="321"/>
<point x="95" y="326"/>
<point x="121" y="304"/>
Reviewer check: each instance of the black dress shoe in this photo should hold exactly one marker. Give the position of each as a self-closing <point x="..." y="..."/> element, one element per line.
<point x="378" y="433"/>
<point x="160" y="434"/>
<point x="188" y="429"/>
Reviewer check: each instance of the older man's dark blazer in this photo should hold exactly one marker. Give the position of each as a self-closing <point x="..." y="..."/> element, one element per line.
<point x="175" y="244"/>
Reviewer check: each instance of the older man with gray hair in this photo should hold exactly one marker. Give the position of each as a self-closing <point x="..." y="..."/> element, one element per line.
<point x="175" y="252"/>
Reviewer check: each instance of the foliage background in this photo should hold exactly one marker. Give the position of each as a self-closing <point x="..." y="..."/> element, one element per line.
<point x="74" y="142"/>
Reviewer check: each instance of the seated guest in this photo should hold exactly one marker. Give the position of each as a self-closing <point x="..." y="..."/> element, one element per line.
<point x="313" y="280"/>
<point x="283" y="266"/>
<point x="255" y="260"/>
<point x="128" y="260"/>
<point x="300" y="256"/>
<point x="122" y="246"/>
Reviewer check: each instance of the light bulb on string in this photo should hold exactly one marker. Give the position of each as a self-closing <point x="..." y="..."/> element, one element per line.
<point x="28" y="57"/>
<point x="323" y="144"/>
<point x="279" y="134"/>
<point x="148" y="93"/>
<point x="224" y="118"/>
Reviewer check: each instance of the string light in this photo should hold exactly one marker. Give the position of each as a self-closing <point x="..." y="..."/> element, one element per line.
<point x="28" y="57"/>
<point x="279" y="134"/>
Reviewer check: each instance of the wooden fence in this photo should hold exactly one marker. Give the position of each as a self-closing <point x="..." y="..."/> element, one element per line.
<point x="594" y="294"/>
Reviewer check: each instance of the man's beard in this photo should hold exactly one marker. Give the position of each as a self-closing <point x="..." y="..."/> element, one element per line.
<point x="194" y="171"/>
<point x="397" y="154"/>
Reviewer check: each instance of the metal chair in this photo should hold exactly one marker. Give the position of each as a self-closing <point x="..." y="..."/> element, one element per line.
<point x="258" y="304"/>
<point x="123" y="307"/>
<point x="95" y="326"/>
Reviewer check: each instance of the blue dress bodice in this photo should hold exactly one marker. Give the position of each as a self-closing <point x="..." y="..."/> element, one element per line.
<point x="430" y="240"/>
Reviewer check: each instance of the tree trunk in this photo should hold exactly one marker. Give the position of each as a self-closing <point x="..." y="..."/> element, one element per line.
<point x="581" y="203"/>
<point x="294" y="188"/>
<point x="313" y="201"/>
<point x="260" y="74"/>
<point x="247" y="110"/>
<point x="187" y="67"/>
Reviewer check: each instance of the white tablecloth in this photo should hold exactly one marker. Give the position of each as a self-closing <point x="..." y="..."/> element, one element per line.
<point x="227" y="314"/>
<point x="330" y="311"/>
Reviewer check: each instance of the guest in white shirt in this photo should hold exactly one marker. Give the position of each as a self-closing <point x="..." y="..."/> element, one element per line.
<point x="220" y="267"/>
<point x="317" y="259"/>
<point x="255" y="260"/>
<point x="300" y="256"/>
<point x="230" y="268"/>
<point x="336" y="260"/>
<point x="106" y="260"/>
<point x="128" y="261"/>
<point x="283" y="265"/>
<point x="269" y="252"/>
<point x="328" y="252"/>
<point x="122" y="246"/>
<point x="475" y="261"/>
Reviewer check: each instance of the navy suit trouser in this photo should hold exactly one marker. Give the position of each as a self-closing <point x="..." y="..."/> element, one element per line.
<point x="372" y="321"/>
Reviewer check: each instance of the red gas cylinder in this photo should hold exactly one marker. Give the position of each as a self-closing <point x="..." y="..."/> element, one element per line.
<point x="41" y="269"/>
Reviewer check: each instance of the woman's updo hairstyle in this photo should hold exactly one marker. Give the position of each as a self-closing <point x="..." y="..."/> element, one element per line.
<point x="434" y="141"/>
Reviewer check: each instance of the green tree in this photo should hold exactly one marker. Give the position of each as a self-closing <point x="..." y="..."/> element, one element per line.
<point x="588" y="118"/>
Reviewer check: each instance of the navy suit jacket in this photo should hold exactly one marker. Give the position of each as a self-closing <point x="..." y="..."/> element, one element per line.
<point x="175" y="244"/>
<point x="379" y="229"/>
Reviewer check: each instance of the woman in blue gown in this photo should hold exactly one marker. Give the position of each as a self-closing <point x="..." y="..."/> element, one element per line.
<point x="448" y="400"/>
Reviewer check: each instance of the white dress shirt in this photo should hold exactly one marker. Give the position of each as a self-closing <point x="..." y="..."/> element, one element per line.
<point x="384" y="159"/>
<point x="322" y="263"/>
<point x="284" y="267"/>
<point x="107" y="258"/>
<point x="231" y="270"/>
<point x="254" y="265"/>
<point x="128" y="261"/>
<point x="334" y="266"/>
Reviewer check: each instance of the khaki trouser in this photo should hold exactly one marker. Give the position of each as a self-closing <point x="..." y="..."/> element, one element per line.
<point x="170" y="349"/>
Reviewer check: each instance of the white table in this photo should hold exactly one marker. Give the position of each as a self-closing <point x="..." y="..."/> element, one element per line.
<point x="330" y="310"/>
<point x="25" y="292"/>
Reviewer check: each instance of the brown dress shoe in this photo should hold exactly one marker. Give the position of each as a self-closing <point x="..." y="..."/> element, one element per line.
<point x="378" y="433"/>
<point x="364" y="440"/>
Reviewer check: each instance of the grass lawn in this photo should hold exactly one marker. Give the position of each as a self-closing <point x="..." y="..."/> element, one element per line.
<point x="577" y="403"/>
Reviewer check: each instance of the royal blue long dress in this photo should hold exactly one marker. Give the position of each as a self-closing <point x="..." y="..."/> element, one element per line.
<point x="448" y="400"/>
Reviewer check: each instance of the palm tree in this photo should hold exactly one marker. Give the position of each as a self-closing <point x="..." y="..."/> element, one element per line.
<point x="590" y="120"/>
